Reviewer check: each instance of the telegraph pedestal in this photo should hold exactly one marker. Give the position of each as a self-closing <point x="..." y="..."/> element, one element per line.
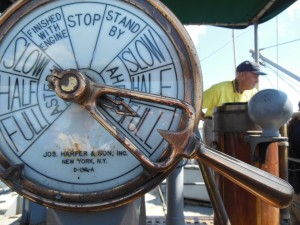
<point x="256" y="144"/>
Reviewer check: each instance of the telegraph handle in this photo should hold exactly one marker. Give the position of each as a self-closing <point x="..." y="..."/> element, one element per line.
<point x="263" y="185"/>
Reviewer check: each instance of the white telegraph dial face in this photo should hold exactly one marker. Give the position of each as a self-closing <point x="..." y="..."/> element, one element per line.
<point x="112" y="42"/>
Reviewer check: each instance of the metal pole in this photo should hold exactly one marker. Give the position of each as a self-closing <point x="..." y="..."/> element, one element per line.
<point x="234" y="49"/>
<point x="175" y="203"/>
<point x="256" y="53"/>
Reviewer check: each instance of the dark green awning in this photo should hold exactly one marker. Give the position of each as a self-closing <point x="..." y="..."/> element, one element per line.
<point x="228" y="13"/>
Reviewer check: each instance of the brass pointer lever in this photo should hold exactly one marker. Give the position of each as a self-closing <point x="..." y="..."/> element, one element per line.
<point x="72" y="85"/>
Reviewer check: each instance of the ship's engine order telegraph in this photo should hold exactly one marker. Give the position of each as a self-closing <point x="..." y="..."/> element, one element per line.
<point x="99" y="101"/>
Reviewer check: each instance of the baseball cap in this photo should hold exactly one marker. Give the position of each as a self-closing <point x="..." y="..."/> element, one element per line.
<point x="248" y="66"/>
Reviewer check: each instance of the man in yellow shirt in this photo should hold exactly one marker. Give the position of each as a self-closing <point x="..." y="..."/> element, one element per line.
<point x="241" y="89"/>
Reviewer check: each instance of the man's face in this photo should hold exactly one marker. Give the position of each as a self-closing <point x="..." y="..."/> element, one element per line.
<point x="249" y="80"/>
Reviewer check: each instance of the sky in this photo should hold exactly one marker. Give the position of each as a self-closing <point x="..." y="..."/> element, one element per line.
<point x="221" y="49"/>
